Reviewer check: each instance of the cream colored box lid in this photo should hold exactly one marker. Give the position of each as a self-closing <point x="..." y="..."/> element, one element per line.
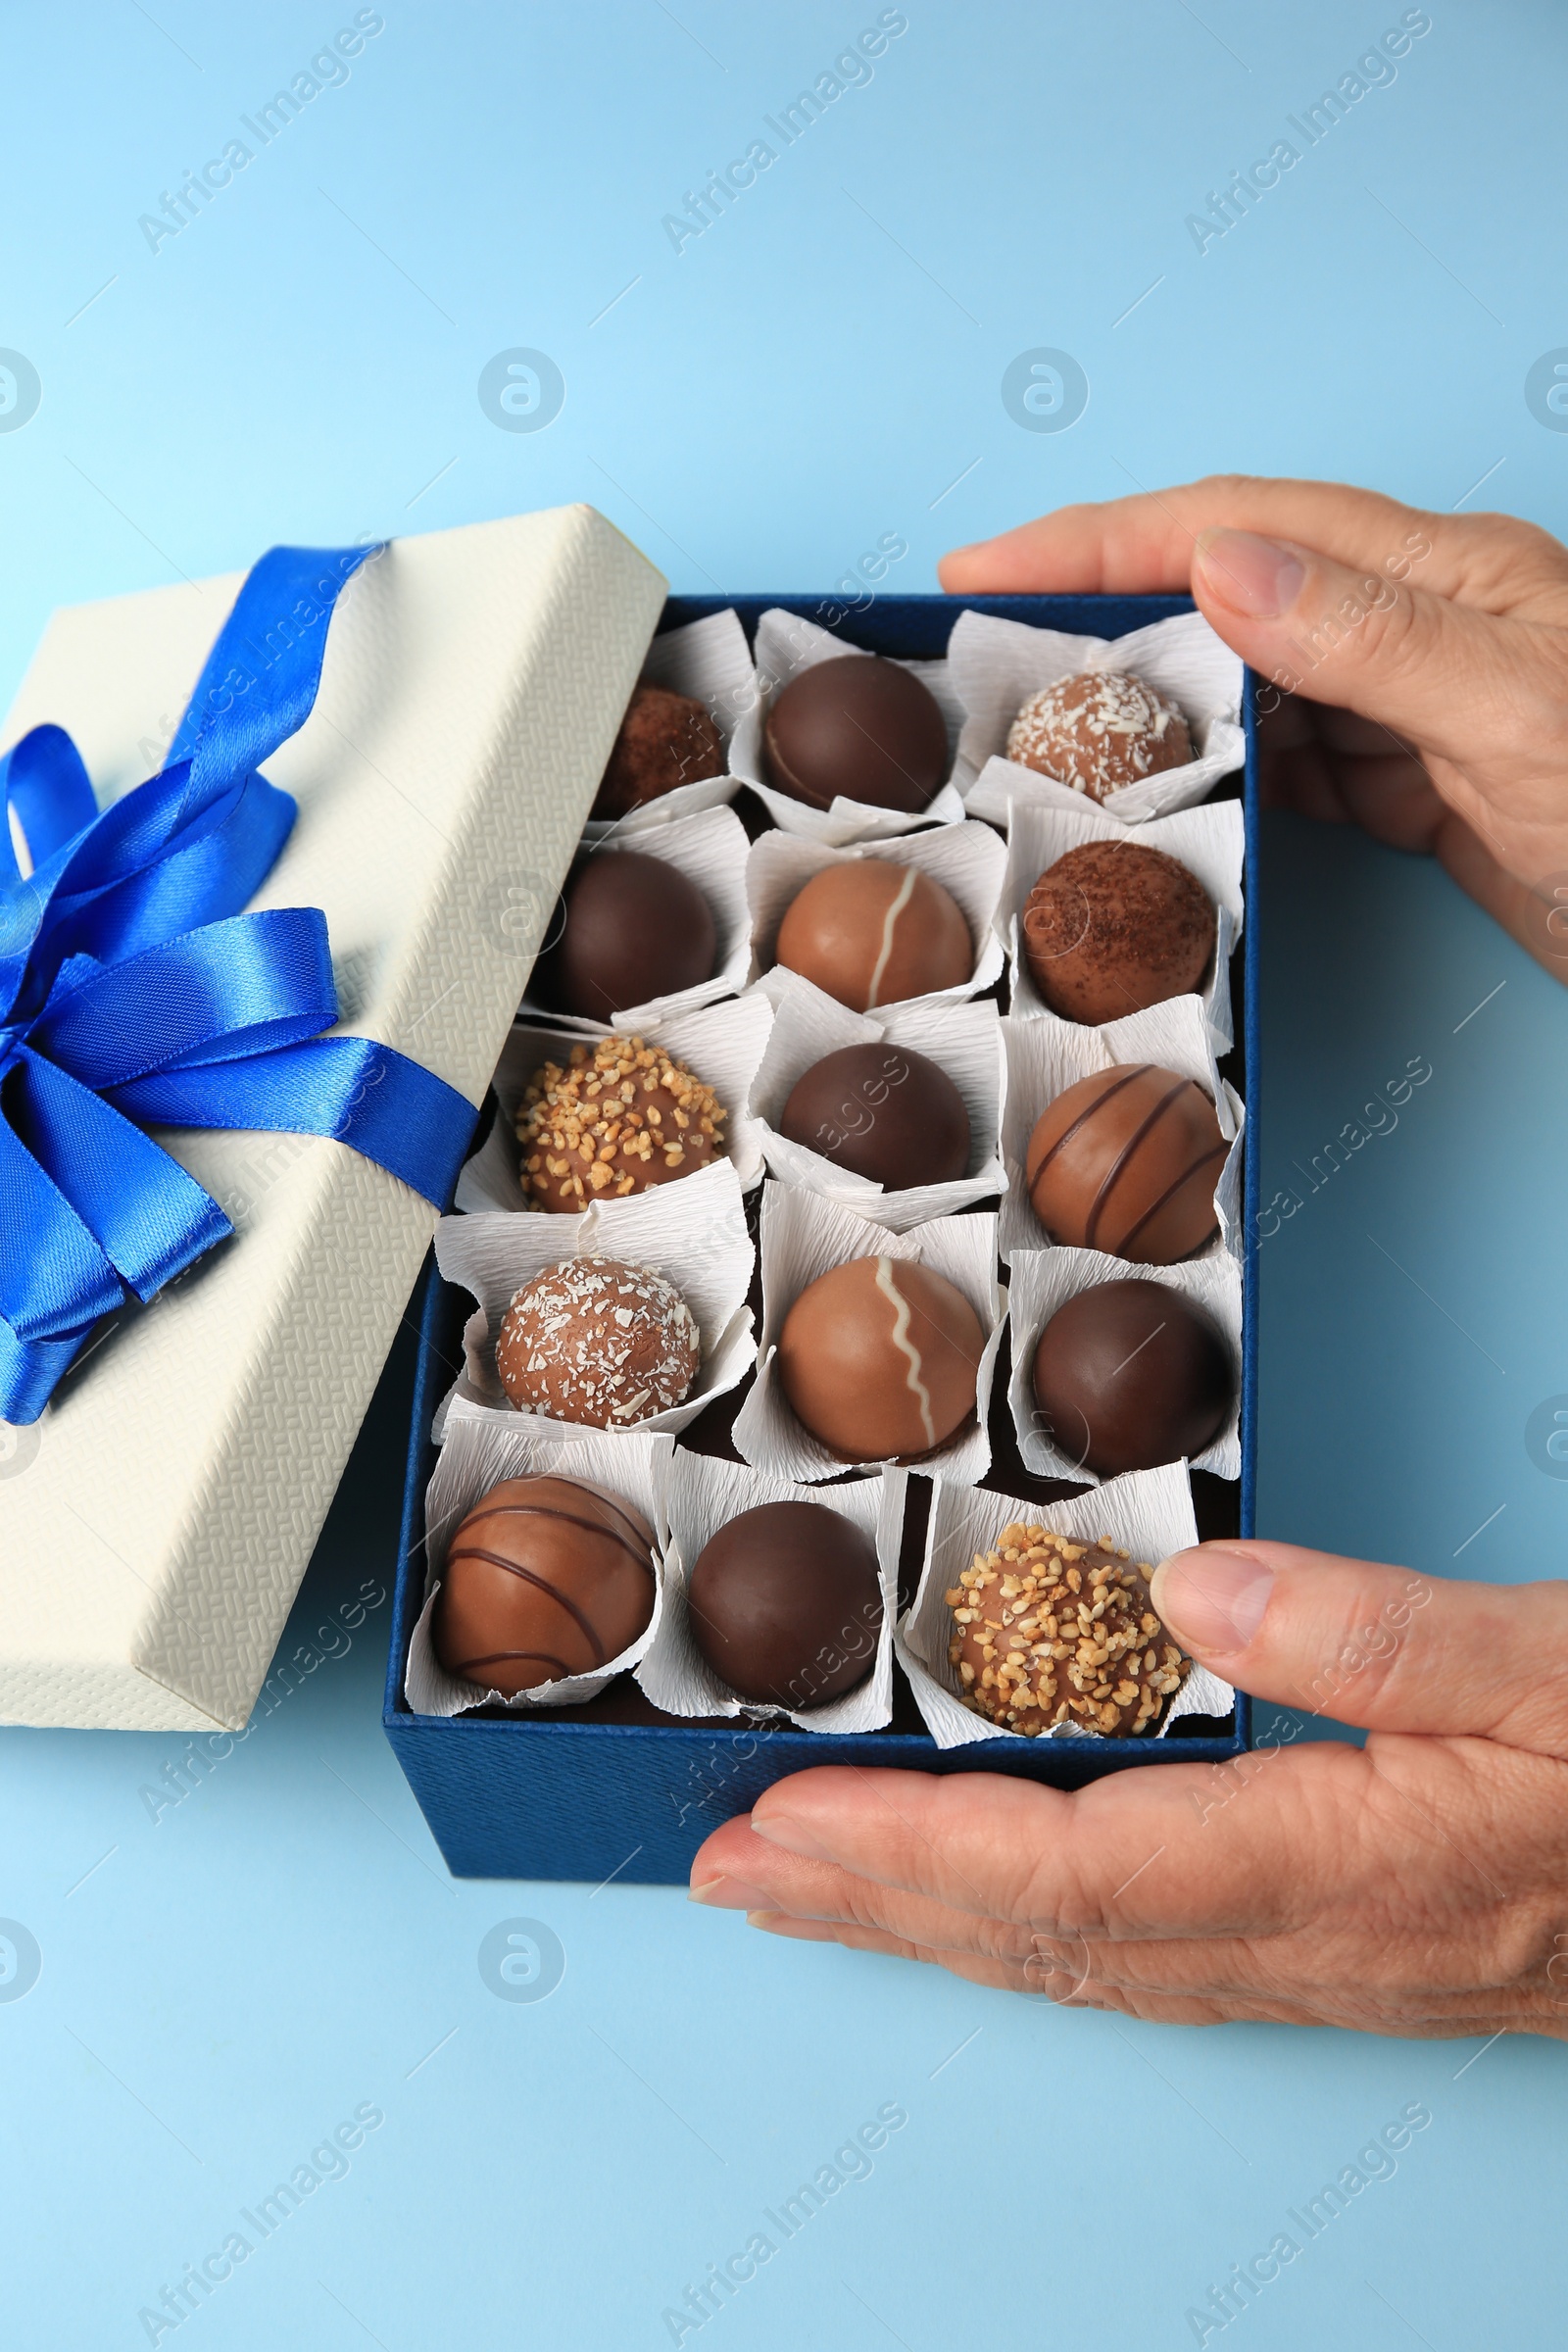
<point x="156" y="1522"/>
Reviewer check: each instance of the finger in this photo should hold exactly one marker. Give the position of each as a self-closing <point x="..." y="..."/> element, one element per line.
<point x="1379" y="1647"/>
<point x="1143" y="544"/>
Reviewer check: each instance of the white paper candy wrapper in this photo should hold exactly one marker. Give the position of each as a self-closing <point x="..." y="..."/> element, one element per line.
<point x="997" y="665"/>
<point x="700" y="1496"/>
<point x="1209" y="842"/>
<point x="723" y="1044"/>
<point x="710" y="849"/>
<point x="803" y="1235"/>
<point x="693" y="1232"/>
<point x="970" y="862"/>
<point x="1040" y="1281"/>
<point x="708" y="659"/>
<point x="1045" y="1056"/>
<point x="963" y="1040"/>
<point x="787" y="642"/>
<point x="477" y="1456"/>
<point x="1150" y="1512"/>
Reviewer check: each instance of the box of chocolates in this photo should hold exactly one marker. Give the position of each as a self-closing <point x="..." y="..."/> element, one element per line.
<point x="836" y="1324"/>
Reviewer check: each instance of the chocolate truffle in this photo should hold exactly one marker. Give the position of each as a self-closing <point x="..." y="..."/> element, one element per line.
<point x="1098" y="730"/>
<point x="1113" y="927"/>
<point x="546" y="1577"/>
<point x="785" y="1604"/>
<point x="597" y="1341"/>
<point x="870" y="932"/>
<point x="636" y="927"/>
<point x="612" y="1122"/>
<point x="1049" y="1630"/>
<point x="882" y="1112"/>
<point x="1127" y="1161"/>
<point x="665" y="739"/>
<point x="856" y="728"/>
<point x="1132" y="1374"/>
<point x="880" y="1360"/>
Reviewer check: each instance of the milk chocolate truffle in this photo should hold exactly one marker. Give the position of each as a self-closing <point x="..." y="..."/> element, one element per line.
<point x="598" y="1341"/>
<point x="882" y="1112"/>
<point x="1113" y="927"/>
<point x="1127" y="1161"/>
<point x="1049" y="1630"/>
<point x="612" y="1122"/>
<point x="869" y="932"/>
<point x="1098" y="730"/>
<point x="1132" y="1374"/>
<point x="636" y="927"/>
<point x="785" y="1604"/>
<point x="880" y="1360"/>
<point x="546" y="1577"/>
<point x="665" y="739"/>
<point x="859" y="729"/>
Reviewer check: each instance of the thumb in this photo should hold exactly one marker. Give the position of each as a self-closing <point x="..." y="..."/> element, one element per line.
<point x="1417" y="663"/>
<point x="1383" y="1647"/>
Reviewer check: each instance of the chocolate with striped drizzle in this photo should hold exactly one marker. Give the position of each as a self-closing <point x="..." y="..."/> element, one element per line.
<point x="515" y="1582"/>
<point x="1172" y="1124"/>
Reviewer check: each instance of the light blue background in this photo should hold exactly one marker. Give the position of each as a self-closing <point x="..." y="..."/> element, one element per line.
<point x="821" y="366"/>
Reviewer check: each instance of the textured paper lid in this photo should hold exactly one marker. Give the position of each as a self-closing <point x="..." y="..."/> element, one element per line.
<point x="155" y="1524"/>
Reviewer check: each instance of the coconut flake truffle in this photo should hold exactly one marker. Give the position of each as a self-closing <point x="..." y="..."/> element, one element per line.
<point x="596" y="1341"/>
<point x="1099" y="730"/>
<point x="612" y="1122"/>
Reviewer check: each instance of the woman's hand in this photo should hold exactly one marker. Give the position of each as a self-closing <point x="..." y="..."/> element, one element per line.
<point x="1418" y="1886"/>
<point x="1418" y="662"/>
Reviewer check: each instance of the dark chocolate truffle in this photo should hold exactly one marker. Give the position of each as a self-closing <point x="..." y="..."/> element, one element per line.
<point x="856" y="728"/>
<point x="546" y="1577"/>
<point x="880" y="1360"/>
<point x="636" y="927"/>
<point x="785" y="1604"/>
<point x="1132" y="1374"/>
<point x="665" y="739"/>
<point x="612" y="1122"/>
<point x="594" y="1340"/>
<point x="882" y="1112"/>
<point x="1113" y="927"/>
<point x="1127" y="1161"/>
<point x="871" y="932"/>
<point x="1098" y="730"/>
<point x="1051" y="1629"/>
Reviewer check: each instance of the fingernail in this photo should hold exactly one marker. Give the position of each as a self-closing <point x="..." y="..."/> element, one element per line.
<point x="779" y="1830"/>
<point x="730" y="1895"/>
<point x="1212" y="1599"/>
<point x="1257" y="579"/>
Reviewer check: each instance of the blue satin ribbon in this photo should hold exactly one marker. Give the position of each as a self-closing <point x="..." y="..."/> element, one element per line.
<point x="136" y="992"/>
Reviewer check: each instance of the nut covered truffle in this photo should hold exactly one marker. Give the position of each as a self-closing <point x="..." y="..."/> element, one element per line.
<point x="1115" y="927"/>
<point x="596" y="1341"/>
<point x="614" y="1121"/>
<point x="1099" y="730"/>
<point x="1049" y="1631"/>
<point x="665" y="739"/>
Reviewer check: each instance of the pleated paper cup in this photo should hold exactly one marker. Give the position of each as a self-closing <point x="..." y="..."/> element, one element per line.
<point x="970" y="862"/>
<point x="709" y="660"/>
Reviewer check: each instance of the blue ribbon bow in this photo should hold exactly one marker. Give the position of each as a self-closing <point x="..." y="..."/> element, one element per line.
<point x="134" y="991"/>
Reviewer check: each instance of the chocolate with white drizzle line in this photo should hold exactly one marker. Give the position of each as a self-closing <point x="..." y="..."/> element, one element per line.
<point x="1126" y="1161"/>
<point x="880" y="1358"/>
<point x="874" y="931"/>
<point x="546" y="1577"/>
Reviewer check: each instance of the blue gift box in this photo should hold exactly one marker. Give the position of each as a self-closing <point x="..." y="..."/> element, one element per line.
<point x="538" y="1796"/>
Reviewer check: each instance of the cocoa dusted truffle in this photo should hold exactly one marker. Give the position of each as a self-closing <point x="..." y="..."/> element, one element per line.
<point x="880" y="1360"/>
<point x="1050" y="1630"/>
<point x="871" y="932"/>
<point x="1127" y="1161"/>
<point x="858" y="728"/>
<point x="614" y="1121"/>
<point x="665" y="739"/>
<point x="1113" y="927"/>
<point x="594" y="1340"/>
<point x="1098" y="730"/>
<point x="786" y="1606"/>
<point x="884" y="1113"/>
<point x="1130" y="1374"/>
<point x="635" y="928"/>
<point x="545" y="1578"/>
